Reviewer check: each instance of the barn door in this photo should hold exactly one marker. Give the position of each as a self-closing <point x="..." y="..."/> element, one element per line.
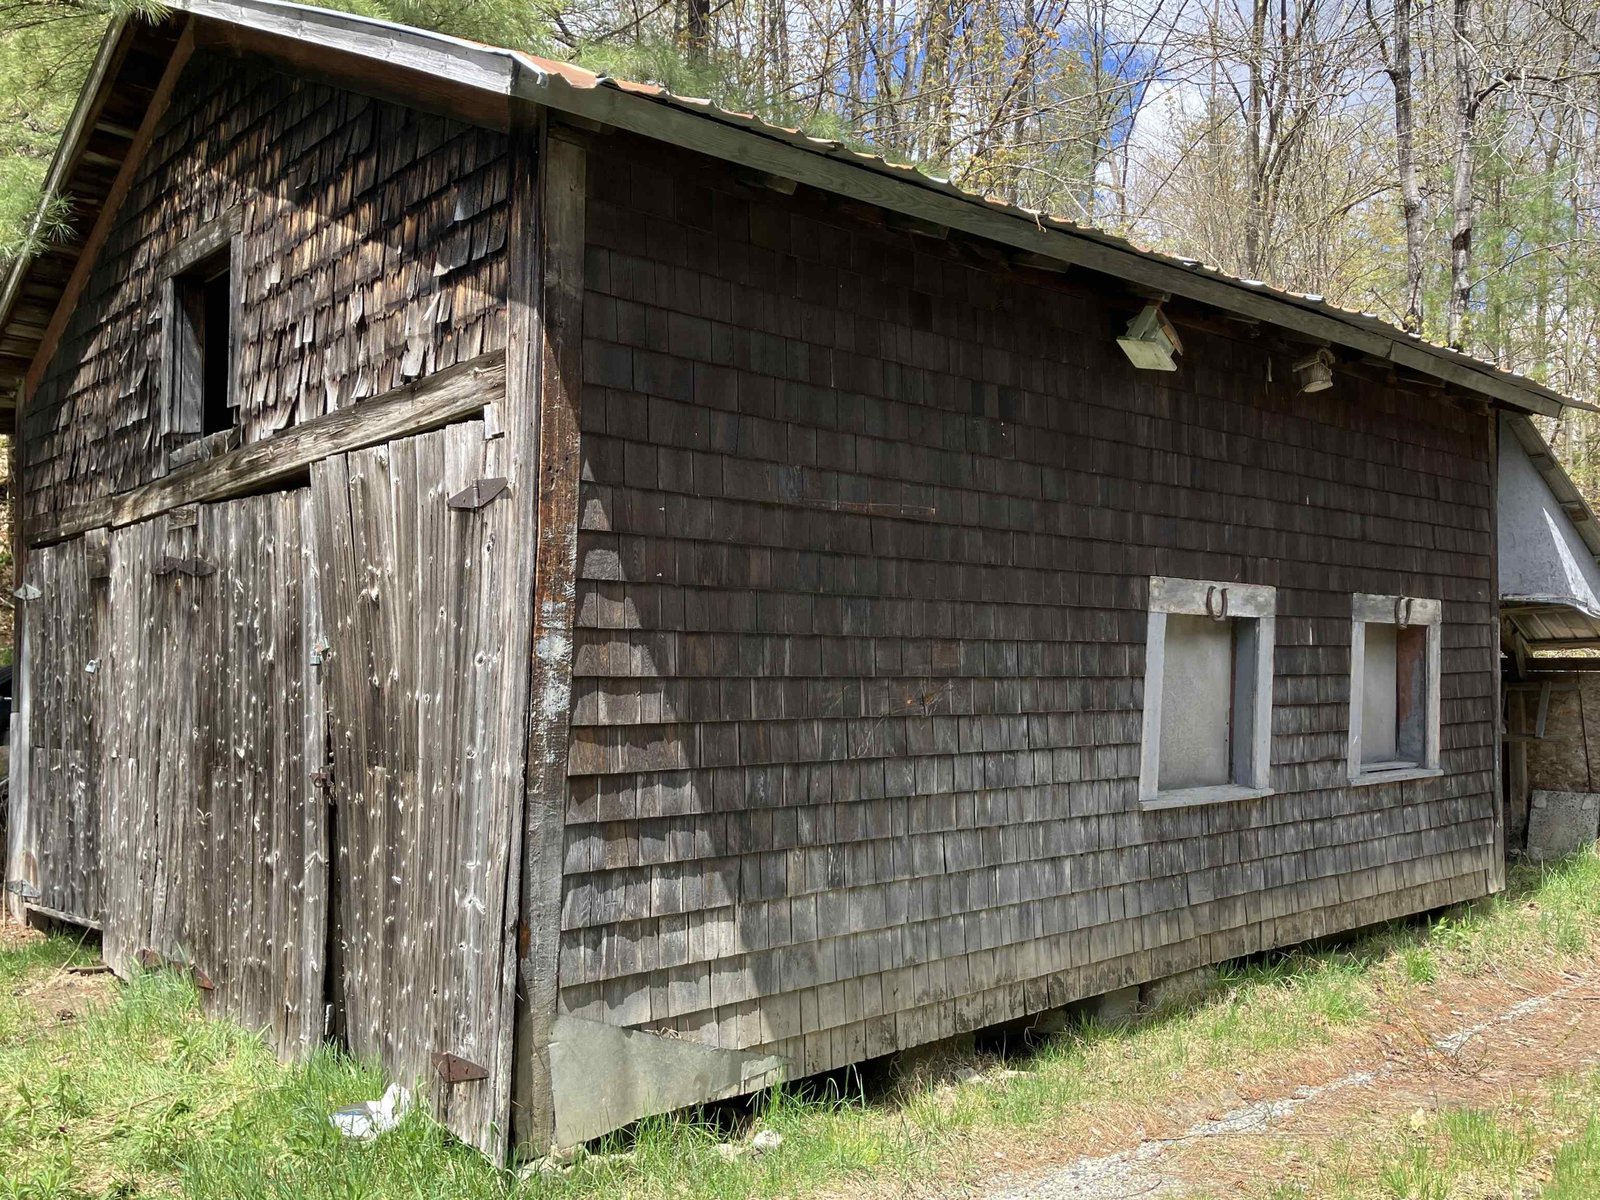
<point x="426" y="765"/>
<point x="56" y="861"/>
<point x="213" y="735"/>
<point x="148" y="746"/>
<point x="254" y="872"/>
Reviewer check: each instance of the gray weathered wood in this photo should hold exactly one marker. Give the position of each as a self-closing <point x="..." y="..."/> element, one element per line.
<point x="553" y="315"/>
<point x="440" y="399"/>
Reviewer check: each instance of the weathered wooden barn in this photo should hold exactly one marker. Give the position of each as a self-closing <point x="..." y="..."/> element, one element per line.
<point x="601" y="603"/>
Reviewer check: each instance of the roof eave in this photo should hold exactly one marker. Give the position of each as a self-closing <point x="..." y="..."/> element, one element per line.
<point x="744" y="140"/>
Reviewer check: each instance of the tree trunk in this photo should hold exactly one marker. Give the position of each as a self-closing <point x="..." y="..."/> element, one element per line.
<point x="1255" y="114"/>
<point x="1463" y="210"/>
<point x="697" y="29"/>
<point x="1401" y="73"/>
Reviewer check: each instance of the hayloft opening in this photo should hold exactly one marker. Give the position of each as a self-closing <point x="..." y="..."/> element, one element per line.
<point x="202" y="340"/>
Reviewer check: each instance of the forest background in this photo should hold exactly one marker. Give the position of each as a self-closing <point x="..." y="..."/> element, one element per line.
<point x="1435" y="163"/>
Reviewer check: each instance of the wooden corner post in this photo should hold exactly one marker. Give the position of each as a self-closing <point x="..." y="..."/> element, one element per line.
<point x="1497" y="867"/>
<point x="545" y="355"/>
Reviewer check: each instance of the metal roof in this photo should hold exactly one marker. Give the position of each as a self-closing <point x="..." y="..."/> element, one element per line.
<point x="1549" y="551"/>
<point x="745" y="139"/>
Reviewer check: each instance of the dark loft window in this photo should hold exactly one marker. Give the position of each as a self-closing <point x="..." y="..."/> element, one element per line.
<point x="201" y="345"/>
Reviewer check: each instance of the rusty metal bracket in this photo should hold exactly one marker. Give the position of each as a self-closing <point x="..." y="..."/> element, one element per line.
<point x="322" y="779"/>
<point x="479" y="493"/>
<point x="196" y="568"/>
<point x="453" y="1068"/>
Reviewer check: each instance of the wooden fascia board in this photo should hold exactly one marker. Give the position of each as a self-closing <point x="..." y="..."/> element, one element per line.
<point x="443" y="398"/>
<point x="468" y="64"/>
<point x="754" y="150"/>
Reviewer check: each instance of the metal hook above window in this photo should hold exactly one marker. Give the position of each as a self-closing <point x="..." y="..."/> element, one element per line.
<point x="1402" y="611"/>
<point x="1219" y="611"/>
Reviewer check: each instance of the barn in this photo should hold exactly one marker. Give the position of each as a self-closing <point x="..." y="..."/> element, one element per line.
<point x="599" y="603"/>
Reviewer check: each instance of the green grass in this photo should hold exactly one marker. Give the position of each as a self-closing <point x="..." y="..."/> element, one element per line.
<point x="1544" y="1146"/>
<point x="142" y="1097"/>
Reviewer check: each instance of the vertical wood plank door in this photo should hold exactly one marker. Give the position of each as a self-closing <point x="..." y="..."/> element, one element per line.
<point x="58" y="847"/>
<point x="425" y="772"/>
<point x="255" y="859"/>
<point x="214" y="826"/>
<point x="149" y="738"/>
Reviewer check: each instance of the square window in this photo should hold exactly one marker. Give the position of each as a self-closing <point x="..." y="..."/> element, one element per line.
<point x="1208" y="693"/>
<point x="1394" y="687"/>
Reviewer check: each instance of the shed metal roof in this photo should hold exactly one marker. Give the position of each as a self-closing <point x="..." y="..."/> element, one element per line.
<point x="36" y="284"/>
<point x="1549" y="552"/>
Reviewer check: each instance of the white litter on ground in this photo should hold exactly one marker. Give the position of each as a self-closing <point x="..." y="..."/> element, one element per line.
<point x="367" y="1120"/>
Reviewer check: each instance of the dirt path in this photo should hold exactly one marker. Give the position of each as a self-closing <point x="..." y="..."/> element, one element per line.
<point x="1483" y="1046"/>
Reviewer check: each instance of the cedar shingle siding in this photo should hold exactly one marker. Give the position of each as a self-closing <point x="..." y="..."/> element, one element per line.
<point x="867" y="527"/>
<point x="374" y="241"/>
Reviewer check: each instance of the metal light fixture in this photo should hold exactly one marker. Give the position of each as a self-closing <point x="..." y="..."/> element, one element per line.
<point x="1315" y="373"/>
<point x="1151" y="342"/>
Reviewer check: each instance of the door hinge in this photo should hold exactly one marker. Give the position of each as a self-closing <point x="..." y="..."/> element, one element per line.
<point x="193" y="567"/>
<point x="452" y="1068"/>
<point x="479" y="493"/>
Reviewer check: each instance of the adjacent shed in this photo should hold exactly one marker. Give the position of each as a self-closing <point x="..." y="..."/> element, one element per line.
<point x="599" y="603"/>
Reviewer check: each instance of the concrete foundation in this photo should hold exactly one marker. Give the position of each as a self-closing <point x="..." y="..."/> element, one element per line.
<point x="1561" y="823"/>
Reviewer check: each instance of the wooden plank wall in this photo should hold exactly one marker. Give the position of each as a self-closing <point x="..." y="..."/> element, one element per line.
<point x="224" y="866"/>
<point x="866" y="529"/>
<point x="256" y="853"/>
<point x="201" y="724"/>
<point x="147" y="733"/>
<point x="64" y="636"/>
<point x="426" y="767"/>
<point x="374" y="240"/>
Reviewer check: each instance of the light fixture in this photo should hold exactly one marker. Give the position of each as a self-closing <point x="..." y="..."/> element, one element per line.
<point x="1151" y="342"/>
<point x="1315" y="373"/>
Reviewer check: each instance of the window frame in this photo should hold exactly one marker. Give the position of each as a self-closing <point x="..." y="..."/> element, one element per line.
<point x="182" y="418"/>
<point x="1371" y="609"/>
<point x="1190" y="597"/>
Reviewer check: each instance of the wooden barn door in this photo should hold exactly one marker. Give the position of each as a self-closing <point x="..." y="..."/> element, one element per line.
<point x="426" y="743"/>
<point x="148" y="692"/>
<point x="214" y="739"/>
<point x="56" y="859"/>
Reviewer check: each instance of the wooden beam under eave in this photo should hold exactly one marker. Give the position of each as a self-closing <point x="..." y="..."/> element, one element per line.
<point x="554" y="330"/>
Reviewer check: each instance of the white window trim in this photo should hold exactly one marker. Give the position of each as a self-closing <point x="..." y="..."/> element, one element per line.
<point x="1368" y="609"/>
<point x="1191" y="597"/>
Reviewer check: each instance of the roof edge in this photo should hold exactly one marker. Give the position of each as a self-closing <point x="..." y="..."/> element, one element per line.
<point x="745" y="140"/>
